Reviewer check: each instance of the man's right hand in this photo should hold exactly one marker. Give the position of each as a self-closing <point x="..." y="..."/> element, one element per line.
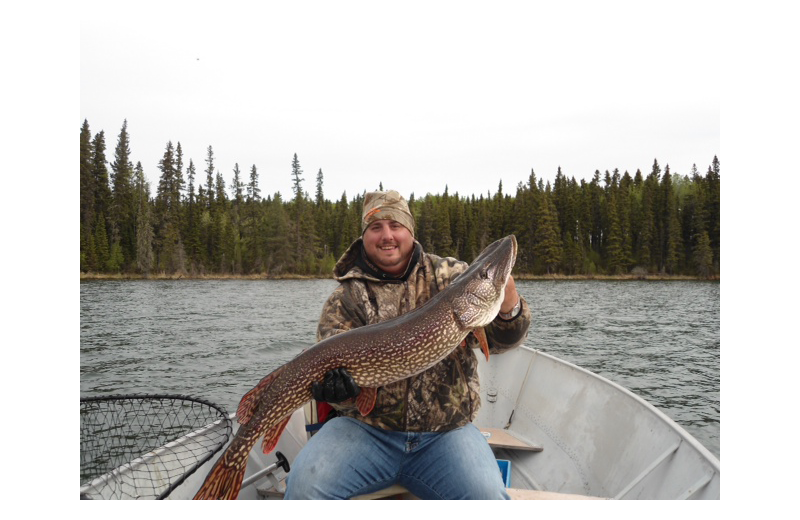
<point x="337" y="386"/>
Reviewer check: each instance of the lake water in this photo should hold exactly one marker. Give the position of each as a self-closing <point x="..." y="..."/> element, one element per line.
<point x="216" y="338"/>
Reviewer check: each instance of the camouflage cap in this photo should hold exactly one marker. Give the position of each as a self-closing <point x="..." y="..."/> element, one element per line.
<point x="386" y="205"/>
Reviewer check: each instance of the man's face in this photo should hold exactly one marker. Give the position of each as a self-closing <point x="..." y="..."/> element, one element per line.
<point x="388" y="245"/>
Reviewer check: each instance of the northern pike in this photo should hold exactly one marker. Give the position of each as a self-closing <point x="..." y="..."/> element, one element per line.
<point x="374" y="355"/>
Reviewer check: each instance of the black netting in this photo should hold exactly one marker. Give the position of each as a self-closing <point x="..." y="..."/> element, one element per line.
<point x="143" y="446"/>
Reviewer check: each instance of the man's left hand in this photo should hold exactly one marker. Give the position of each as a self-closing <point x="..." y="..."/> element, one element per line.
<point x="511" y="296"/>
<point x="337" y="386"/>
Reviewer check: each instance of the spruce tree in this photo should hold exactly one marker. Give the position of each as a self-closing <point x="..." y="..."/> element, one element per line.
<point x="703" y="256"/>
<point x="253" y="191"/>
<point x="443" y="237"/>
<point x="673" y="257"/>
<point x="210" y="177"/>
<point x="297" y="212"/>
<point x="102" y="190"/>
<point x="170" y="254"/>
<point x="320" y="197"/>
<point x="87" y="196"/>
<point x="192" y="221"/>
<point x="297" y="186"/>
<point x="713" y="209"/>
<point x="278" y="251"/>
<point x="86" y="176"/>
<point x="342" y="237"/>
<point x="547" y="241"/>
<point x="144" y="222"/>
<point x="124" y="206"/>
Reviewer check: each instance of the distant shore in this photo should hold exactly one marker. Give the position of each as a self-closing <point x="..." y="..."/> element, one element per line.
<point x="519" y="276"/>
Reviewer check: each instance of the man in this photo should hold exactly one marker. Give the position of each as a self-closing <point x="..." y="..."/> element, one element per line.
<point x="420" y="433"/>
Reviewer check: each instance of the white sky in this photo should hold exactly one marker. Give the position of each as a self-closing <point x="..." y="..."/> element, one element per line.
<point x="416" y="95"/>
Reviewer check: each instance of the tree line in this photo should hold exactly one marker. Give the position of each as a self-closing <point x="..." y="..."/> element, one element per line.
<point x="196" y="225"/>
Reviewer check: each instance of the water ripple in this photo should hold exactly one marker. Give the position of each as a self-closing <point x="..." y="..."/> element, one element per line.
<point x="217" y="338"/>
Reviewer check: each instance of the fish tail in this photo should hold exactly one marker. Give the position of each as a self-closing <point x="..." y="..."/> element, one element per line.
<point x="224" y="481"/>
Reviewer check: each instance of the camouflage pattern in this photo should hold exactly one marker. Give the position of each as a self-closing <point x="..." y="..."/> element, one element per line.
<point x="447" y="395"/>
<point x="386" y="205"/>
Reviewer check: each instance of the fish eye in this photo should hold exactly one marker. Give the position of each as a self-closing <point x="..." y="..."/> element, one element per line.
<point x="485" y="272"/>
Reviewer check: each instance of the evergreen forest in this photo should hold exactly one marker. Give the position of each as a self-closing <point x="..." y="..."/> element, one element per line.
<point x="647" y="223"/>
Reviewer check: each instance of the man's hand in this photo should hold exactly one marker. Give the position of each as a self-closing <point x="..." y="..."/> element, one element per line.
<point x="511" y="297"/>
<point x="337" y="386"/>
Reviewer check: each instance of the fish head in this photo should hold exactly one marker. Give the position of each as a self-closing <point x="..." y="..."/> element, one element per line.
<point x="481" y="288"/>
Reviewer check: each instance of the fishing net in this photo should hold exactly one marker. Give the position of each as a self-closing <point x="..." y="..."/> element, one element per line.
<point x="144" y="446"/>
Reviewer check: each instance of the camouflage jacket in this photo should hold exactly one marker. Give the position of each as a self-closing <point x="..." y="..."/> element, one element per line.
<point x="447" y="395"/>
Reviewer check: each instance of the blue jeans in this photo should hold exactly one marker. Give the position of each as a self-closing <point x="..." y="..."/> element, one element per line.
<point x="347" y="458"/>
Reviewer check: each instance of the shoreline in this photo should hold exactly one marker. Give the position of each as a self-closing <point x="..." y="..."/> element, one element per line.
<point x="519" y="276"/>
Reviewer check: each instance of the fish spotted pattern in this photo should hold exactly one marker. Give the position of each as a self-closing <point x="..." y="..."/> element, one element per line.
<point x="375" y="355"/>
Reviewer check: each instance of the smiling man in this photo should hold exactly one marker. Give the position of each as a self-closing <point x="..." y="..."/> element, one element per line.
<point x="420" y="432"/>
<point x="388" y="240"/>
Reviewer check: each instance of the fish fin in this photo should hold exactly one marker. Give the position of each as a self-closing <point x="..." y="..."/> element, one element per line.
<point x="481" y="335"/>
<point x="224" y="481"/>
<point x="274" y="434"/>
<point x="248" y="403"/>
<point x="366" y="400"/>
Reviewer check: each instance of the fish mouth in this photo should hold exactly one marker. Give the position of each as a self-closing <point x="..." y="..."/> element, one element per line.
<point x="497" y="258"/>
<point x="509" y="265"/>
<point x="513" y="249"/>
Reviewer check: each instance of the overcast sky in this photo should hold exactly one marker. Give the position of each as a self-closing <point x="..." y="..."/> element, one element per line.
<point x="417" y="96"/>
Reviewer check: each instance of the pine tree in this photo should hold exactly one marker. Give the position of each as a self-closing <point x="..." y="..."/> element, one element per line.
<point x="296" y="210"/>
<point x="342" y="237"/>
<point x="322" y="220"/>
<point x="101" y="243"/>
<point x="210" y="177"/>
<point x="297" y="187"/>
<point x="624" y="211"/>
<point x="253" y="191"/>
<point x="320" y="198"/>
<point x="209" y="222"/>
<point x="547" y="241"/>
<point x="87" y="178"/>
<point x="124" y="207"/>
<point x="426" y="227"/>
<point x="178" y="183"/>
<point x="192" y="222"/>
<point x="713" y="209"/>
<point x="458" y="220"/>
<point x="703" y="256"/>
<point x="87" y="253"/>
<point x="443" y="237"/>
<point x="615" y="257"/>
<point x="170" y="254"/>
<point x="278" y="251"/>
<point x="648" y="232"/>
<point x="674" y="245"/>
<point x="102" y="190"/>
<point x="144" y="222"/>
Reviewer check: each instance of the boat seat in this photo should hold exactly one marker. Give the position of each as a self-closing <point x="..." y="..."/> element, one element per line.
<point x="395" y="491"/>
<point x="530" y="494"/>
<point x="399" y="492"/>
<point x="499" y="438"/>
